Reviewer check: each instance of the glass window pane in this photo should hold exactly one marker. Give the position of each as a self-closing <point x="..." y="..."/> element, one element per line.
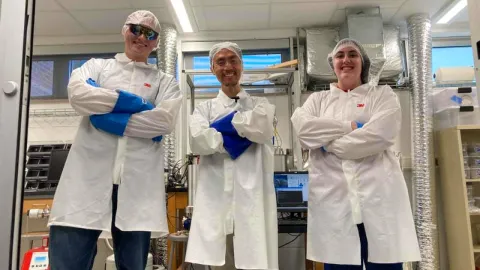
<point x="74" y="64"/>
<point x="152" y="60"/>
<point x="250" y="61"/>
<point x="451" y="57"/>
<point x="42" y="79"/>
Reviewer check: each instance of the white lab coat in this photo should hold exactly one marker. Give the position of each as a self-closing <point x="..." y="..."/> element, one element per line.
<point x="98" y="159"/>
<point x="234" y="196"/>
<point x="358" y="180"/>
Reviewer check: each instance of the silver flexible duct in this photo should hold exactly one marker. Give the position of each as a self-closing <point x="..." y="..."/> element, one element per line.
<point x="420" y="53"/>
<point x="166" y="61"/>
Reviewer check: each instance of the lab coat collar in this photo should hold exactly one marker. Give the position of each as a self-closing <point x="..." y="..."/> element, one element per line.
<point x="227" y="101"/>
<point x="360" y="91"/>
<point x="122" y="58"/>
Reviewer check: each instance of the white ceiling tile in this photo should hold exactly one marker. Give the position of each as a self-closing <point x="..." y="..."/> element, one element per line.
<point x="195" y="3"/>
<point x="414" y="7"/>
<point x="301" y="14"/>
<point x="163" y="15"/>
<point x="240" y="18"/>
<point x="338" y="17"/>
<point x="146" y="4"/>
<point x="370" y="3"/>
<point x="103" y="21"/>
<point x="200" y="18"/>
<point x="63" y="24"/>
<point x="95" y="4"/>
<point x="47" y="5"/>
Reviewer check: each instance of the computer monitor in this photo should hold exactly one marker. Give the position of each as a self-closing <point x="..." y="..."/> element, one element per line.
<point x="57" y="162"/>
<point x="291" y="188"/>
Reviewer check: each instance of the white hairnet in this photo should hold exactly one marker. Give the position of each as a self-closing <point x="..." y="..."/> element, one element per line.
<point x="233" y="47"/>
<point x="348" y="42"/>
<point x="142" y="17"/>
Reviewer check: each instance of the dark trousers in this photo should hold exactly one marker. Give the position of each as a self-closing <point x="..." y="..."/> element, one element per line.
<point x="75" y="249"/>
<point x="364" y="252"/>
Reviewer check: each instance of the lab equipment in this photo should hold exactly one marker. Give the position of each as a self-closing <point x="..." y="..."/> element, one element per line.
<point x="283" y="161"/>
<point x="291" y="189"/>
<point x="37" y="258"/>
<point x="473" y="161"/>
<point x="44" y="169"/>
<point x="474" y="149"/>
<point x="474" y="173"/>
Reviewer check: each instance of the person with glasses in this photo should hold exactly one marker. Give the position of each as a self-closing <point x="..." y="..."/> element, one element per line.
<point x="234" y="222"/>
<point x="359" y="213"/>
<point x="112" y="181"/>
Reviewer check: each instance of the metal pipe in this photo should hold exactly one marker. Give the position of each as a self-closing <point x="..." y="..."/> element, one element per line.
<point x="420" y="53"/>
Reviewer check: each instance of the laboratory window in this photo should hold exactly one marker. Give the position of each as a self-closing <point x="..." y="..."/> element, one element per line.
<point x="42" y="78"/>
<point x="451" y="57"/>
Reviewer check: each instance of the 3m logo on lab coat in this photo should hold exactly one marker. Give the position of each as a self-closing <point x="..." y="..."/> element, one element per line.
<point x="360" y="105"/>
<point x="147" y="85"/>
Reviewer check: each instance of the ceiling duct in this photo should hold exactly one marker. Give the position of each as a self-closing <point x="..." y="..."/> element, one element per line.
<point x="365" y="25"/>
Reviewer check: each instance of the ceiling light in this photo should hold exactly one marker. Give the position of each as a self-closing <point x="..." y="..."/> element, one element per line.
<point x="452" y="12"/>
<point x="182" y="15"/>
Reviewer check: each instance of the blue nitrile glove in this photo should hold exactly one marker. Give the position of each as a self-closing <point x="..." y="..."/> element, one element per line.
<point x="92" y="82"/>
<point x="131" y="103"/>
<point x="114" y="123"/>
<point x="224" y="124"/>
<point x="127" y="102"/>
<point x="235" y="145"/>
<point x="158" y="138"/>
<point x="359" y="125"/>
<point x="232" y="142"/>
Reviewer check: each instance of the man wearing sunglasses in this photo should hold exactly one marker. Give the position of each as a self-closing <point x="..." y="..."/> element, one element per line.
<point x="112" y="181"/>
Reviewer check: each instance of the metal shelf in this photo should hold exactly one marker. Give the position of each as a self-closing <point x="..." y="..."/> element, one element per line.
<point x="268" y="72"/>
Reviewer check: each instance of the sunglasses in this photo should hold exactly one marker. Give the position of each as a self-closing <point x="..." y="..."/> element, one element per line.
<point x="138" y="30"/>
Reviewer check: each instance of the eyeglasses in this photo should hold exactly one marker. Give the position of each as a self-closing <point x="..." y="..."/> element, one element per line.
<point x="137" y="30"/>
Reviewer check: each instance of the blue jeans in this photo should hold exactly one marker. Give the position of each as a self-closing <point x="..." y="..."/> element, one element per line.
<point x="75" y="249"/>
<point x="364" y="253"/>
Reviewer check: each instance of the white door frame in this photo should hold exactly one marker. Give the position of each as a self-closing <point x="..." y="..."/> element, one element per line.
<point x="15" y="31"/>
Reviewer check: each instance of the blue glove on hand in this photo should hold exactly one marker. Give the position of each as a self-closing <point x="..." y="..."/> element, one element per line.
<point x="224" y="125"/>
<point x="127" y="102"/>
<point x="232" y="142"/>
<point x="359" y="125"/>
<point x="92" y="82"/>
<point x="114" y="123"/>
<point x="157" y="139"/>
<point x="131" y="103"/>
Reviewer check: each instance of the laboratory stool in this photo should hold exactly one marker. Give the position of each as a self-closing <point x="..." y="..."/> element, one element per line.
<point x="176" y="240"/>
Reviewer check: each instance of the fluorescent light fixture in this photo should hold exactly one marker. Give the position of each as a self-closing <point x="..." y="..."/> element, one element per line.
<point x="452" y="12"/>
<point x="182" y="15"/>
